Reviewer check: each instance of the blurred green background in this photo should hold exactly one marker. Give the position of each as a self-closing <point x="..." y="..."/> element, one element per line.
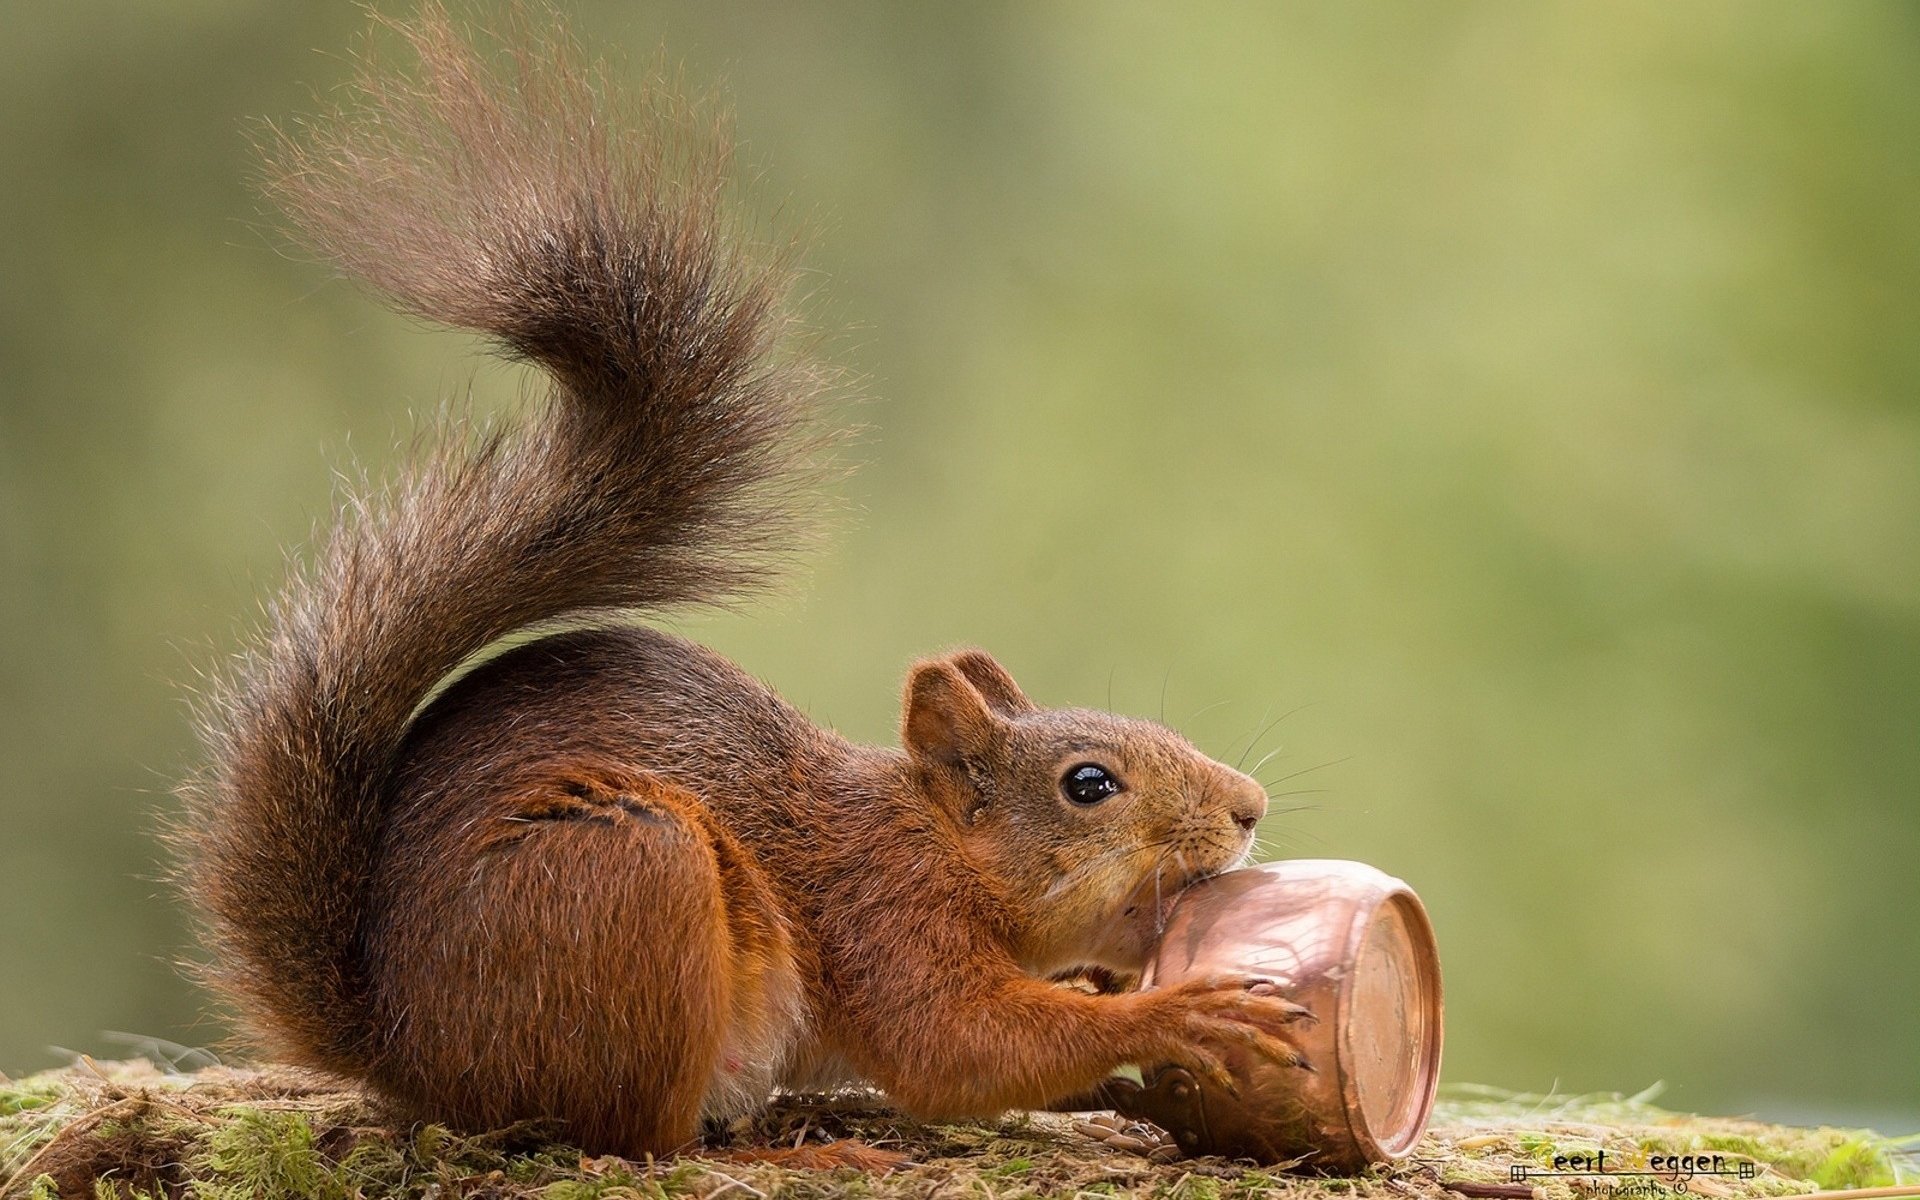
<point x="1521" y="397"/>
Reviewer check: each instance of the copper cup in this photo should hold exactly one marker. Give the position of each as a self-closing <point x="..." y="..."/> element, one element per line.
<point x="1353" y="945"/>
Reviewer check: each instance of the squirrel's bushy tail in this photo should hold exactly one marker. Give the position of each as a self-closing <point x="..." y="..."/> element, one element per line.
<point x="502" y="192"/>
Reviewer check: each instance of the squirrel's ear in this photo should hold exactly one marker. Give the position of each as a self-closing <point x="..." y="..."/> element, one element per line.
<point x="996" y="687"/>
<point x="947" y="720"/>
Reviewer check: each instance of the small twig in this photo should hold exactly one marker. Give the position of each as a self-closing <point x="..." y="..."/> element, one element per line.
<point x="74" y="1129"/>
<point x="86" y="1060"/>
<point x="731" y="1182"/>
<point x="1492" y="1191"/>
<point x="1879" y="1193"/>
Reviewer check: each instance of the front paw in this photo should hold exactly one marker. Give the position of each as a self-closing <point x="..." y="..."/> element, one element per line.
<point x="1212" y="1022"/>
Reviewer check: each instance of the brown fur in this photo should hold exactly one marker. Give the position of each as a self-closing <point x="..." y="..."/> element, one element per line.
<point x="606" y="876"/>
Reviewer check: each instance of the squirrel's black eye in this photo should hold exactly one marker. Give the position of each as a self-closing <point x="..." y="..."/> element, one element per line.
<point x="1089" y="784"/>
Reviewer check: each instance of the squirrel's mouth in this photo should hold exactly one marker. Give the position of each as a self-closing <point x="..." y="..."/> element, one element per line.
<point x="1156" y="894"/>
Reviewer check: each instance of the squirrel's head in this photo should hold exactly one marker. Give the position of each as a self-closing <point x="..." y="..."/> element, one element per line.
<point x="1091" y="823"/>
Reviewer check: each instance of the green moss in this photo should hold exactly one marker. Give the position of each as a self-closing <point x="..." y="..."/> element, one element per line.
<point x="1745" y="1145"/>
<point x="267" y="1136"/>
<point x="431" y="1141"/>
<point x="1256" y="1183"/>
<point x="1858" y="1162"/>
<point x="611" y="1187"/>
<point x="25" y="1097"/>
<point x="1195" y="1187"/>
<point x="261" y="1152"/>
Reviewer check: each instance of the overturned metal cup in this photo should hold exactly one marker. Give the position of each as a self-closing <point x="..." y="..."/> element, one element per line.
<point x="1353" y="945"/>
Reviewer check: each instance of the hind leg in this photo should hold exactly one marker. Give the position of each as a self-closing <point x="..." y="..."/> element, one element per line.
<point x="591" y="947"/>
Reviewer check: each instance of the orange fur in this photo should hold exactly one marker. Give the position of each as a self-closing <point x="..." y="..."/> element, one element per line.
<point x="606" y="876"/>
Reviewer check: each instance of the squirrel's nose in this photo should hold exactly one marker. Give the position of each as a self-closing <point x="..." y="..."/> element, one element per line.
<point x="1247" y="802"/>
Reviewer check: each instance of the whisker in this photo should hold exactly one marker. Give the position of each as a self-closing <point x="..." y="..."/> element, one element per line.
<point x="1265" y="759"/>
<point x="1292" y="835"/>
<point x="1099" y="860"/>
<point x="1305" y="770"/>
<point x="1264" y="732"/>
<point x="1297" y="808"/>
<point x="1159" y="844"/>
<point x="1207" y="709"/>
<point x="1272" y="796"/>
<point x="1159" y="909"/>
<point x="1250" y="741"/>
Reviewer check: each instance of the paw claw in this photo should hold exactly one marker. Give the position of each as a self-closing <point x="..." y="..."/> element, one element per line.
<point x="1279" y="1052"/>
<point x="1216" y="1075"/>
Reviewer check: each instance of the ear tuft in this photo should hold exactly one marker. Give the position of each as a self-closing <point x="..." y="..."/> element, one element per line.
<point x="947" y="720"/>
<point x="995" y="686"/>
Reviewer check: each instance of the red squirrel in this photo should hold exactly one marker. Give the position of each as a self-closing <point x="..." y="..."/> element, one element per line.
<point x="605" y="877"/>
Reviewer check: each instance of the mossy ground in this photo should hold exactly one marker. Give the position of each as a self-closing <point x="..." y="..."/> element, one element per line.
<point x="127" y="1129"/>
